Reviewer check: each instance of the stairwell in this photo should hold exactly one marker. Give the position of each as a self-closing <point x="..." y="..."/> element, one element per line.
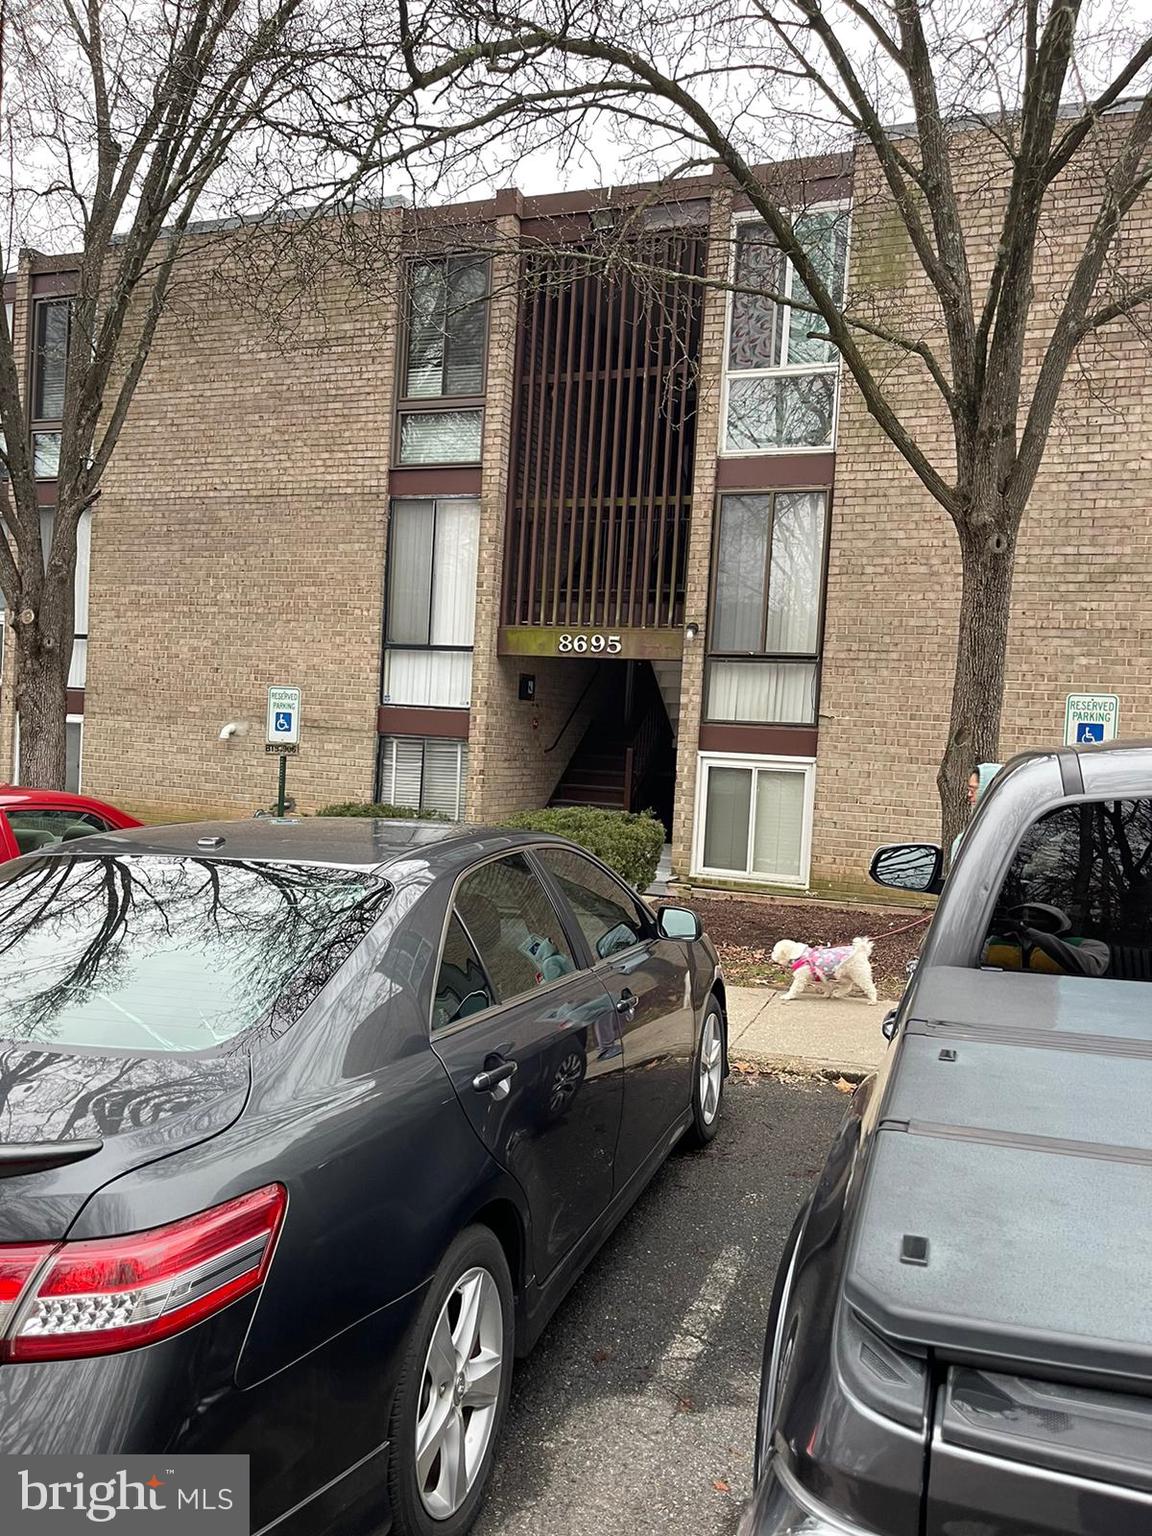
<point x="598" y="771"/>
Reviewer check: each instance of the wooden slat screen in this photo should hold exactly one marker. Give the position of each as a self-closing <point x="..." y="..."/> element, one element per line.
<point x="605" y="420"/>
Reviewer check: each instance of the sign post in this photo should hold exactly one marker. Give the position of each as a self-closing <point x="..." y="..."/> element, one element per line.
<point x="283" y="734"/>
<point x="1090" y="717"/>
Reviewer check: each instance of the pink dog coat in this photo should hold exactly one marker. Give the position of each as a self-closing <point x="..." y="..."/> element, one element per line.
<point x="823" y="962"/>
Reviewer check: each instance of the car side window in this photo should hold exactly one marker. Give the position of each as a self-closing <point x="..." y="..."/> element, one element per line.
<point x="63" y="825"/>
<point x="462" y="988"/>
<point x="34" y="829"/>
<point x="610" y="919"/>
<point x="515" y="928"/>
<point x="1077" y="898"/>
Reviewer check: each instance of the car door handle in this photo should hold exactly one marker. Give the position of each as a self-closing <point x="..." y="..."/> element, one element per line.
<point x="494" y="1077"/>
<point x="626" y="1003"/>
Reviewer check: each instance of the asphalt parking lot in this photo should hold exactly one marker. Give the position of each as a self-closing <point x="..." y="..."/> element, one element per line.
<point x="635" y="1413"/>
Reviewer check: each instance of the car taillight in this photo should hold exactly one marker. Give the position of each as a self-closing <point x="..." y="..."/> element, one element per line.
<point x="114" y="1293"/>
<point x="18" y="1263"/>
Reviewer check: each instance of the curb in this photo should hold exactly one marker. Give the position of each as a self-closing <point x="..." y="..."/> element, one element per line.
<point x="802" y="1066"/>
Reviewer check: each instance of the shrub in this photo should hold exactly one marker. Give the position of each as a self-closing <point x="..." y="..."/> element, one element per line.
<point x="381" y="812"/>
<point x="629" y="844"/>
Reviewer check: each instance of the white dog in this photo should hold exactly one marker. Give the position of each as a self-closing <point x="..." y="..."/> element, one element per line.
<point x="836" y="970"/>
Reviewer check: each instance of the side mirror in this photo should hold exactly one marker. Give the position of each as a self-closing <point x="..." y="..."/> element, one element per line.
<point x="888" y="1028"/>
<point x="678" y="923"/>
<point x="909" y="867"/>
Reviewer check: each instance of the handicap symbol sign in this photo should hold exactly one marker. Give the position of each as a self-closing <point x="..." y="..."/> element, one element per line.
<point x="1090" y="730"/>
<point x="284" y="721"/>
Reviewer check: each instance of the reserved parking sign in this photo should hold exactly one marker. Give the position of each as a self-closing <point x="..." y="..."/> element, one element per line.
<point x="1090" y="718"/>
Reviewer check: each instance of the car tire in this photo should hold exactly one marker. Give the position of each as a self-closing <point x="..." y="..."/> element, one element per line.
<point x="449" y="1407"/>
<point x="709" y="1066"/>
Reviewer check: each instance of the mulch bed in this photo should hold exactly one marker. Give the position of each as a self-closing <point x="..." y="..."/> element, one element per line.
<point x="745" y="931"/>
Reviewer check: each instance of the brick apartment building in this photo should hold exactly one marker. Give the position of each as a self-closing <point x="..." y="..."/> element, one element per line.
<point x="526" y="527"/>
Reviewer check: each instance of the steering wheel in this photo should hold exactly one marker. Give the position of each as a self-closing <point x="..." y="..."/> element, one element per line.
<point x="1040" y="917"/>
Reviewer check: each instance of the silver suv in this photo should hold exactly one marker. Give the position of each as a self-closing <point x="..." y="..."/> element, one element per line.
<point x="960" y="1341"/>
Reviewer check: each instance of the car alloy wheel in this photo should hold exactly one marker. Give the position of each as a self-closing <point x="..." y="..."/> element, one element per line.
<point x="711" y="1067"/>
<point x="459" y="1393"/>
<point x="708" y="1072"/>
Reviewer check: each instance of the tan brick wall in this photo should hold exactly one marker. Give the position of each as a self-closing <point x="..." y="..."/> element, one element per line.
<point x="1082" y="602"/>
<point x="239" y="542"/>
<point x="713" y="323"/>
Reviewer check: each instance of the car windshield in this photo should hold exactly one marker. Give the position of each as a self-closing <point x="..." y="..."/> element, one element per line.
<point x="170" y="953"/>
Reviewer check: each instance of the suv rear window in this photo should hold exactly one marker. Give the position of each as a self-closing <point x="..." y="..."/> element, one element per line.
<point x="1077" y="899"/>
<point x="170" y="954"/>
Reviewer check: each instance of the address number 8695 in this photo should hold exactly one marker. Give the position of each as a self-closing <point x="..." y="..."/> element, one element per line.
<point x="596" y="644"/>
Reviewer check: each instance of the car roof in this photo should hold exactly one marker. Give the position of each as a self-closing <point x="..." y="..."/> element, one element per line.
<point x="347" y="841"/>
<point x="12" y="796"/>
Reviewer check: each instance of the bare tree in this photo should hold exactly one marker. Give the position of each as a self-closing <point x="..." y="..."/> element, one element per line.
<point x="1003" y="101"/>
<point x="119" y="124"/>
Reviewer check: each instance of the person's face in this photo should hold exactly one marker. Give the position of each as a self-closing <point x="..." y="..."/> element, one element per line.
<point x="973" y="787"/>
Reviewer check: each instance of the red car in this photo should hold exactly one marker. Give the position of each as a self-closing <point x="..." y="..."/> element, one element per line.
<point x="37" y="818"/>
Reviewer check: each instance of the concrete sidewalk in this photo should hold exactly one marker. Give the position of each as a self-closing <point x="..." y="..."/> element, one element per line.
<point x="811" y="1034"/>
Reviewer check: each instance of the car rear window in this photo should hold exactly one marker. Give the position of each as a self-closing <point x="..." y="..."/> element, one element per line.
<point x="171" y="954"/>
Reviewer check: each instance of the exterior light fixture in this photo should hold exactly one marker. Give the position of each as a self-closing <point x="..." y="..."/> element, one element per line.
<point x="691" y="631"/>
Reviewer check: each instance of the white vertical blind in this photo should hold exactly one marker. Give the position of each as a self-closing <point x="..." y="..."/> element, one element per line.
<point x="443" y="779"/>
<point x="778" y="835"/>
<point x="410" y="571"/>
<point x="762" y="692"/>
<point x="428" y="679"/>
<point x="797" y="572"/>
<point x="742" y="561"/>
<point x="727" y="808"/>
<point x="454" y="572"/>
<point x="424" y="773"/>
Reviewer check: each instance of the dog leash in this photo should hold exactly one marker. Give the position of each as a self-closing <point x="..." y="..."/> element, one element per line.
<point x="891" y="933"/>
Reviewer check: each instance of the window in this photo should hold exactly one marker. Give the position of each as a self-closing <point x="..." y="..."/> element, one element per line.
<point x="461" y="987"/>
<point x="1077" y="898"/>
<point x="440" y="437"/>
<point x="50" y="358"/>
<point x="764" y="639"/>
<point x="46" y="455"/>
<point x="781" y="379"/>
<point x="425" y="773"/>
<point x="754" y="818"/>
<point x="150" y="954"/>
<point x="609" y="918"/>
<point x="73" y="753"/>
<point x="78" y="670"/>
<point x="446" y="341"/>
<point x="513" y="926"/>
<point x="428" y="629"/>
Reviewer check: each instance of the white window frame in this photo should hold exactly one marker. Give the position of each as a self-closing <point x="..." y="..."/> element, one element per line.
<point x="705" y="762"/>
<point x="68" y="720"/>
<point x="794" y="370"/>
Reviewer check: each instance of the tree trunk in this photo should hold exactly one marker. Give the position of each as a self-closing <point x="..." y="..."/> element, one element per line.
<point x="987" y="553"/>
<point x="42" y="704"/>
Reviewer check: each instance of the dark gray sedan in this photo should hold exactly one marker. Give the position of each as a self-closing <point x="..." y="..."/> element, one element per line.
<point x="305" y="1130"/>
